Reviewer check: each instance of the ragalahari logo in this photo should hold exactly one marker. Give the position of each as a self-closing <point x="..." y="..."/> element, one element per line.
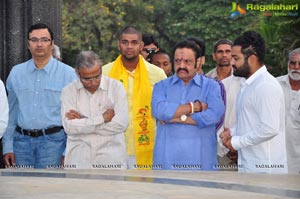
<point x="236" y="10"/>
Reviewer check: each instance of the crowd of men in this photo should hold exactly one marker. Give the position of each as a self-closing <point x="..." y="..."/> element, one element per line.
<point x="151" y="110"/>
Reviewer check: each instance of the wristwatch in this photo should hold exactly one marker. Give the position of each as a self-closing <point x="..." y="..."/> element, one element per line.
<point x="183" y="118"/>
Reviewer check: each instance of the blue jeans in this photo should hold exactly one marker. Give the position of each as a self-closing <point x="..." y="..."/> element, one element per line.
<point x="40" y="152"/>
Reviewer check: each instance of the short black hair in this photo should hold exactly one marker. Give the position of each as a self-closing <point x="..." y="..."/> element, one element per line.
<point x="149" y="39"/>
<point x="38" y="26"/>
<point x="188" y="44"/>
<point x="251" y="43"/>
<point x="222" y="41"/>
<point x="161" y="51"/>
<point x="129" y="30"/>
<point x="200" y="43"/>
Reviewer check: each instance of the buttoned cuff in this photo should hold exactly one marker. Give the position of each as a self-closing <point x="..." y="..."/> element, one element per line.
<point x="7" y="147"/>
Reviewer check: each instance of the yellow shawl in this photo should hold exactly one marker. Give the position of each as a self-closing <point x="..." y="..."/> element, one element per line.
<point x="143" y="123"/>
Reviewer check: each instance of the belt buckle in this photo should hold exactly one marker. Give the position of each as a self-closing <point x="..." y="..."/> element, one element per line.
<point x="34" y="133"/>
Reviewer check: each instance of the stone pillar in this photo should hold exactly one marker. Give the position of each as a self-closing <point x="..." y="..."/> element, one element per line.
<point x="16" y="17"/>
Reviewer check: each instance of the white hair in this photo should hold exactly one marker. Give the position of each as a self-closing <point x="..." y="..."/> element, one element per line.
<point x="56" y="52"/>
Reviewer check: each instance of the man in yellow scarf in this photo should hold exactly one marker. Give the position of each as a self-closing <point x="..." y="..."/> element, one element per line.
<point x="138" y="77"/>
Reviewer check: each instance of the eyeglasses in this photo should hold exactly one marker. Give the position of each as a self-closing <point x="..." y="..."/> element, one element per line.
<point x="37" y="40"/>
<point x="90" y="79"/>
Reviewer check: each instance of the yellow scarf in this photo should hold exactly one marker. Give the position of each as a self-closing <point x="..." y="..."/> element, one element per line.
<point x="143" y="123"/>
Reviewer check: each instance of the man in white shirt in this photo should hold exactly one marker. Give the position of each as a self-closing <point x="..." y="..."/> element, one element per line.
<point x="224" y="73"/>
<point x="290" y="84"/>
<point x="4" y="109"/>
<point x="95" y="117"/>
<point x="259" y="132"/>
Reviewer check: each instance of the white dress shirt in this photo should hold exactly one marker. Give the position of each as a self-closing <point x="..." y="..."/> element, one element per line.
<point x="91" y="142"/>
<point x="259" y="133"/>
<point x="4" y="109"/>
<point x="292" y="124"/>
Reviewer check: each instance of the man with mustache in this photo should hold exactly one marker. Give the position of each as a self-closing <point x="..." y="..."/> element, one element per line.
<point x="290" y="84"/>
<point x="222" y="57"/>
<point x="224" y="73"/>
<point x="187" y="107"/>
<point x="259" y="131"/>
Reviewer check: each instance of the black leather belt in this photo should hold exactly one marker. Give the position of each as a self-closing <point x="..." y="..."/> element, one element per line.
<point x="38" y="132"/>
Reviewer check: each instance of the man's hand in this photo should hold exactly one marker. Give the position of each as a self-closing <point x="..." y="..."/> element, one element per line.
<point x="73" y="115"/>
<point x="108" y="115"/>
<point x="226" y="139"/>
<point x="9" y="160"/>
<point x="62" y="161"/>
<point x="200" y="106"/>
<point x="233" y="156"/>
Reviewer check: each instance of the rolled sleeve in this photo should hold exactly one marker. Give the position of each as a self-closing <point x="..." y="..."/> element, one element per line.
<point x="161" y="109"/>
<point x="215" y="110"/>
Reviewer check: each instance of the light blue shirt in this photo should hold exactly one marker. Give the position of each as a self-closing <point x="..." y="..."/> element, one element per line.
<point x="34" y="97"/>
<point x="184" y="146"/>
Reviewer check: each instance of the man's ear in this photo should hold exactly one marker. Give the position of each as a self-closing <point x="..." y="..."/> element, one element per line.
<point x="214" y="56"/>
<point x="52" y="44"/>
<point x="203" y="60"/>
<point x="118" y="45"/>
<point x="252" y="59"/>
<point x="142" y="46"/>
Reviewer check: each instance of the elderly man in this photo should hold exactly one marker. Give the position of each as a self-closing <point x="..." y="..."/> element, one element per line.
<point x="95" y="116"/>
<point x="187" y="106"/>
<point x="290" y="84"/>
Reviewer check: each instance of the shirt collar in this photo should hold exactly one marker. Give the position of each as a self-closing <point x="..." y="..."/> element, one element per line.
<point x="47" y="68"/>
<point x="197" y="79"/>
<point x="254" y="76"/>
<point x="286" y="80"/>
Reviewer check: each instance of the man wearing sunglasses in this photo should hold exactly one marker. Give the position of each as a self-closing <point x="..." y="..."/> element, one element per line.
<point x="150" y="47"/>
<point x="35" y="137"/>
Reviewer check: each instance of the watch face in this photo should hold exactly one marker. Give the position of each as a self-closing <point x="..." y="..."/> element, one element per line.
<point x="183" y="118"/>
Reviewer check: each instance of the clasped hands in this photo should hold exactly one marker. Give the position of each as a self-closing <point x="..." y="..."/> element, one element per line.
<point x="226" y="139"/>
<point x="107" y="115"/>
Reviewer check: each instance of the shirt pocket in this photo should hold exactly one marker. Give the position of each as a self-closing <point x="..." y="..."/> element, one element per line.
<point x="24" y="94"/>
<point x="52" y="92"/>
<point x="295" y="110"/>
<point x="105" y="102"/>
